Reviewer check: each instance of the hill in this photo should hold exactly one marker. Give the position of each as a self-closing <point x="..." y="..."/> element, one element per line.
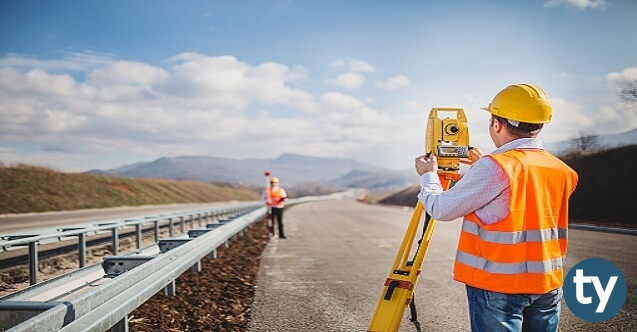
<point x="36" y="189"/>
<point x="604" y="194"/>
<point x="293" y="169"/>
<point x="404" y="197"/>
<point x="607" y="186"/>
<point x="599" y="142"/>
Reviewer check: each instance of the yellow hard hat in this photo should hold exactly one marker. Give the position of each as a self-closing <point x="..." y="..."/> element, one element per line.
<point x="522" y="102"/>
<point x="274" y="180"/>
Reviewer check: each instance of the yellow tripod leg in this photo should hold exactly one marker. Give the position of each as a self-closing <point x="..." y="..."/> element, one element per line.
<point x="399" y="286"/>
<point x="398" y="291"/>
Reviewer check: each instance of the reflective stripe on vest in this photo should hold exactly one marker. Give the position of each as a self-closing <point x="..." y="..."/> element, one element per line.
<point x="509" y="268"/>
<point x="515" y="237"/>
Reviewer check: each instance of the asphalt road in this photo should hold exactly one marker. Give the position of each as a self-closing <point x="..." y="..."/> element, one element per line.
<point x="10" y="223"/>
<point x="328" y="274"/>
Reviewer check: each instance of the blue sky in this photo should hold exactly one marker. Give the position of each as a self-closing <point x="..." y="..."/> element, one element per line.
<point x="100" y="84"/>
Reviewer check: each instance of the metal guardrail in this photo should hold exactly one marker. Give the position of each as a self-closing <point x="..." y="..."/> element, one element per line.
<point x="605" y="229"/>
<point x="32" y="240"/>
<point x="107" y="307"/>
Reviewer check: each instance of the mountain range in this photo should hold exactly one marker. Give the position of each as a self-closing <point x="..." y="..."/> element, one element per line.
<point x="295" y="169"/>
<point x="292" y="169"/>
<point x="599" y="142"/>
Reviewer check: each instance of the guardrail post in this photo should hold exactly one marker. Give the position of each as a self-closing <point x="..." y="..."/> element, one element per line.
<point x="169" y="290"/>
<point x="197" y="267"/>
<point x="192" y="221"/>
<point x="199" y="219"/>
<point x="213" y="254"/>
<point x="138" y="235"/>
<point x="33" y="263"/>
<point x="156" y="230"/>
<point x="81" y="239"/>
<point x="121" y="326"/>
<point x="183" y="224"/>
<point x="115" y="241"/>
<point x="171" y="227"/>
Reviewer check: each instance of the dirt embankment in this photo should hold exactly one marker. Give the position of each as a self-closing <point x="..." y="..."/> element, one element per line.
<point x="37" y="189"/>
<point x="216" y="299"/>
<point x="607" y="186"/>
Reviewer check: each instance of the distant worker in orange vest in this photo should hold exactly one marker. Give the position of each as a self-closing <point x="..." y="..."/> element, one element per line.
<point x="275" y="199"/>
<point x="515" y="208"/>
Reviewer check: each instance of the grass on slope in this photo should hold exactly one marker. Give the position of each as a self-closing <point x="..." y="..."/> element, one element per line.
<point x="36" y="189"/>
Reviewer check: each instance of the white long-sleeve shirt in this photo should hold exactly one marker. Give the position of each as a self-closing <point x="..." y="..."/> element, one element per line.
<point x="484" y="189"/>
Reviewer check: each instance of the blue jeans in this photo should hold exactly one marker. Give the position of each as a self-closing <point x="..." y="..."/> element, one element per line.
<point x="492" y="311"/>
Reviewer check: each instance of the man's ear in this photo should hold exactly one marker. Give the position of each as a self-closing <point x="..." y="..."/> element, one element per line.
<point x="497" y="125"/>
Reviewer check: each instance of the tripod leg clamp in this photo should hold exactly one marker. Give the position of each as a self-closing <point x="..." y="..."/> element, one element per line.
<point x="392" y="284"/>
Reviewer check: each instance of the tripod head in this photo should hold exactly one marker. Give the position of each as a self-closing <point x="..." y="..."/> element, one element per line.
<point x="447" y="137"/>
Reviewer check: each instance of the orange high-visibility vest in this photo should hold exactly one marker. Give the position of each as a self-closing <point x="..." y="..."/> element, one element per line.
<point x="276" y="195"/>
<point x="523" y="253"/>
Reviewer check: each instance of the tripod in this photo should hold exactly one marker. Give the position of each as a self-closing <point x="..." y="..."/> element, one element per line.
<point x="399" y="286"/>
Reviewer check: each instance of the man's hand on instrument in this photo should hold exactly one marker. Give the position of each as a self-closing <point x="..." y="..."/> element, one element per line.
<point x="426" y="163"/>
<point x="474" y="155"/>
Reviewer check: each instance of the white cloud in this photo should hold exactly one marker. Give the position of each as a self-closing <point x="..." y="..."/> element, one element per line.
<point x="224" y="81"/>
<point x="349" y="81"/>
<point x="72" y="61"/>
<point x="394" y="83"/>
<point x="352" y="79"/>
<point x="200" y="105"/>
<point x="339" y="101"/>
<point x="222" y="106"/>
<point x="36" y="82"/>
<point x="570" y="119"/>
<point x="625" y="82"/>
<point x="127" y="72"/>
<point x="626" y="75"/>
<point x="578" y="4"/>
<point x="355" y="65"/>
<point x="413" y="105"/>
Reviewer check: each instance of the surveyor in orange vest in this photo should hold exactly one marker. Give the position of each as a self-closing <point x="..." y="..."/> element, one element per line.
<point x="515" y="207"/>
<point x="275" y="199"/>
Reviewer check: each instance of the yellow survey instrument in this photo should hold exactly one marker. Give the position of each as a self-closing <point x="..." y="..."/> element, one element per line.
<point x="448" y="139"/>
